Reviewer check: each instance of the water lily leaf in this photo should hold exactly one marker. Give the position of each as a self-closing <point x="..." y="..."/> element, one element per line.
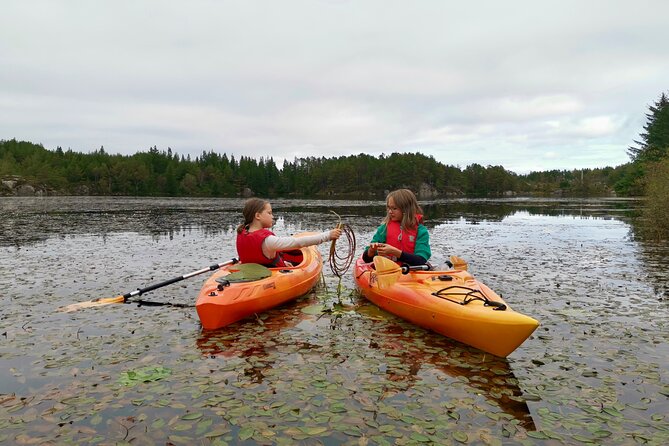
<point x="203" y="425"/>
<point x="180" y="439"/>
<point x="582" y="438"/>
<point x="352" y="431"/>
<point x="219" y="432"/>
<point x="553" y="436"/>
<point x="602" y="433"/>
<point x="313" y="309"/>
<point x="317" y="430"/>
<point x="182" y="426"/>
<point x="408" y="419"/>
<point x="460" y="437"/>
<point x="612" y="411"/>
<point x="192" y="416"/>
<point x="246" y="432"/>
<point x="538" y="435"/>
<point x="419" y="437"/>
<point x="143" y="375"/>
<point x="338" y="408"/>
<point x="97" y="419"/>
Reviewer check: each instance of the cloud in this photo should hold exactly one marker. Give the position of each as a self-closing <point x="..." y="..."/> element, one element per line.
<point x="467" y="83"/>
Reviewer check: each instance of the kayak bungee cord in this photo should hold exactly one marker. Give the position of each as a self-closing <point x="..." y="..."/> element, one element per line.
<point x="471" y="295"/>
<point x="340" y="262"/>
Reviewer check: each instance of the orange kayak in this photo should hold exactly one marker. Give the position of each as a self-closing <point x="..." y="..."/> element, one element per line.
<point x="452" y="303"/>
<point x="220" y="304"/>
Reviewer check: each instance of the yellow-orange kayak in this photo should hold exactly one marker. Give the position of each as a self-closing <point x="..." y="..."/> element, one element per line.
<point x="220" y="304"/>
<point x="452" y="303"/>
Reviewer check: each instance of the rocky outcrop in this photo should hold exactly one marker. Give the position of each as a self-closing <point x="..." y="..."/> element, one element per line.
<point x="427" y="192"/>
<point x="20" y="187"/>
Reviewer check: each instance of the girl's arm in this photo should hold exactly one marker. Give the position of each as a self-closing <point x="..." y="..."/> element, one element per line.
<point x="379" y="237"/>
<point x="411" y="259"/>
<point x="422" y="248"/>
<point x="273" y="244"/>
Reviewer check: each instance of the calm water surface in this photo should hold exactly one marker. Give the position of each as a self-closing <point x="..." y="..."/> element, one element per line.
<point x="329" y="368"/>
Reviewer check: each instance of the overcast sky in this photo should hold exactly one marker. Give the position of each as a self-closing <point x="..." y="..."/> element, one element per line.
<point x="529" y="85"/>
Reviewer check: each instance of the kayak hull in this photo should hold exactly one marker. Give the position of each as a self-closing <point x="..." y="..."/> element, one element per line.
<point x="460" y="310"/>
<point x="219" y="306"/>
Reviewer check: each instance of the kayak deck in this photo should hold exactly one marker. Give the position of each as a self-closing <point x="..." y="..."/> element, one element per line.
<point x="452" y="303"/>
<point x="219" y="305"/>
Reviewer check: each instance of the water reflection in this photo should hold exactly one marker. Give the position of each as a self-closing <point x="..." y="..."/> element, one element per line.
<point x="410" y="356"/>
<point x="32" y="220"/>
<point x="655" y="256"/>
<point x="410" y="352"/>
<point x="251" y="339"/>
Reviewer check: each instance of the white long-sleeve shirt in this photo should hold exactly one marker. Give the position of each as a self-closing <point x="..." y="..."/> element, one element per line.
<point x="272" y="244"/>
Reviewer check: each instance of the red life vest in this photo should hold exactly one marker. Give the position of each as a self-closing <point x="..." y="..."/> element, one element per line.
<point x="402" y="239"/>
<point x="249" y="248"/>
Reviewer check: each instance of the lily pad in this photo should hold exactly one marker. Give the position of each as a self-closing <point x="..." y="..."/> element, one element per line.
<point x="143" y="375"/>
<point x="313" y="309"/>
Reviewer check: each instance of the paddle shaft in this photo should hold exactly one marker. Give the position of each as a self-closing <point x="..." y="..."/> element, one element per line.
<point x="140" y="291"/>
<point x="406" y="269"/>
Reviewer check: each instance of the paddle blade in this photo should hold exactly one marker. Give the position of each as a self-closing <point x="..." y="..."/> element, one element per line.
<point x="92" y="303"/>
<point x="459" y="263"/>
<point x="387" y="271"/>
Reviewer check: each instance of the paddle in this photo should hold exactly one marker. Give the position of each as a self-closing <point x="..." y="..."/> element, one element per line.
<point x="387" y="271"/>
<point x="139" y="291"/>
<point x="459" y="263"/>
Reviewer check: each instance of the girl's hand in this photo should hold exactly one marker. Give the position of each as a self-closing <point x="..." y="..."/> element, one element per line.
<point x="335" y="234"/>
<point x="386" y="250"/>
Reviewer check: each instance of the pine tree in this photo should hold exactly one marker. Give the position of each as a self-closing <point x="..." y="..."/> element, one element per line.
<point x="654" y="142"/>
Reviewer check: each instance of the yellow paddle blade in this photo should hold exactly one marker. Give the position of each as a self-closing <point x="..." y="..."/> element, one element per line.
<point x="459" y="263"/>
<point x="387" y="271"/>
<point x="92" y="303"/>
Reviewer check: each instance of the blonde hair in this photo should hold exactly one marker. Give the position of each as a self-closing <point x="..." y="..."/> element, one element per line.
<point x="251" y="208"/>
<point x="406" y="202"/>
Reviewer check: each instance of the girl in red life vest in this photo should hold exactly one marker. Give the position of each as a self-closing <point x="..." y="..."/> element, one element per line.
<point x="402" y="236"/>
<point x="257" y="244"/>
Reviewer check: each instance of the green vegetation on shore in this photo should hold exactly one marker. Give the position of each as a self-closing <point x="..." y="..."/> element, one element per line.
<point x="163" y="173"/>
<point x="649" y="171"/>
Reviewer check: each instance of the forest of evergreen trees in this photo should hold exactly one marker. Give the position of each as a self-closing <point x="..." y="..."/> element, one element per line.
<point x="164" y="173"/>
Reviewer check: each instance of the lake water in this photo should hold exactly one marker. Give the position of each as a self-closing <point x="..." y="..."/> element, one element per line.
<point x="329" y="368"/>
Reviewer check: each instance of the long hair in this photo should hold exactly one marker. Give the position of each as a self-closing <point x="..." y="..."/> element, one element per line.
<point x="251" y="208"/>
<point x="406" y="201"/>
